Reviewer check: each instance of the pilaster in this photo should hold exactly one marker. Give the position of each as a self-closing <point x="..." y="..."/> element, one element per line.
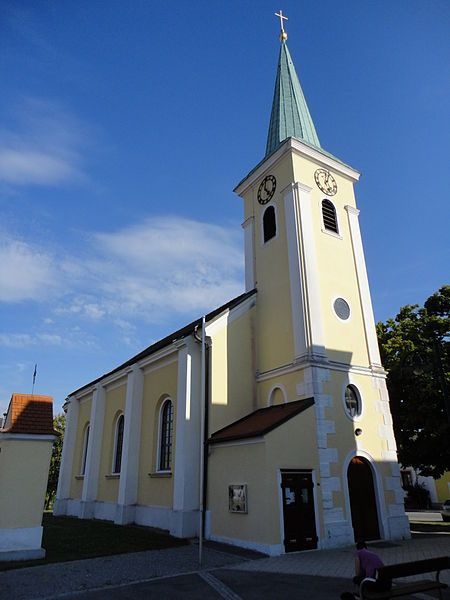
<point x="187" y="441"/>
<point x="92" y="472"/>
<point x="315" y="344"/>
<point x="295" y="271"/>
<point x="129" y="472"/>
<point x="67" y="457"/>
<point x="248" y="227"/>
<point x="363" y="286"/>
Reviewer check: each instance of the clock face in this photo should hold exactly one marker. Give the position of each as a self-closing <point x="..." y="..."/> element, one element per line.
<point x="325" y="182"/>
<point x="267" y="189"/>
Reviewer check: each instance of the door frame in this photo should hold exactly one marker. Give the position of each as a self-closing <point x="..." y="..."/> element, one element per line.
<point x="377" y="487"/>
<point x="312" y="472"/>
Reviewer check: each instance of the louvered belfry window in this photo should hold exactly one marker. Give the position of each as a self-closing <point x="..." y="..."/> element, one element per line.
<point x="329" y="216"/>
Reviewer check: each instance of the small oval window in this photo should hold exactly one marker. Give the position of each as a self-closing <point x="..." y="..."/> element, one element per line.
<point x="352" y="401"/>
<point x="341" y="308"/>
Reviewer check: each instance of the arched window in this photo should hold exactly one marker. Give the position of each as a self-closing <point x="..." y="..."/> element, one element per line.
<point x="329" y="216"/>
<point x="352" y="401"/>
<point x="118" y="443"/>
<point x="269" y="224"/>
<point x="84" y="450"/>
<point x="165" y="436"/>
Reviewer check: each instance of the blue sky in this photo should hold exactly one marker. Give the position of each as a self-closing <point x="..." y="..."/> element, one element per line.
<point x="124" y="127"/>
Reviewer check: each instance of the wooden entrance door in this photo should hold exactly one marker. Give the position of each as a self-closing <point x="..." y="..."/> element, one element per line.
<point x="298" y="511"/>
<point x="363" y="502"/>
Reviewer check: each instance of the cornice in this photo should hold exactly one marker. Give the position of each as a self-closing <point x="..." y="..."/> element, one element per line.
<point x="301" y="149"/>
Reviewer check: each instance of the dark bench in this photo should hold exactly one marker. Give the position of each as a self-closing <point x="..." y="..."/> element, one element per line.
<point x="387" y="574"/>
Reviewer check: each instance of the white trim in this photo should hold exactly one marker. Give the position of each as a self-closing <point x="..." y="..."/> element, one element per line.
<point x="261" y="224"/>
<point x="153" y="516"/>
<point x="36" y="437"/>
<point x="229" y="315"/>
<point x="105" y="510"/>
<point x="295" y="271"/>
<point x="81" y="395"/>
<point x="68" y="450"/>
<point x="332" y="233"/>
<point x="277" y="386"/>
<point x="87" y="397"/>
<point x="187" y="447"/>
<point x="363" y="286"/>
<point x="378" y="489"/>
<point x="302" y="150"/>
<point x="92" y="473"/>
<point x="118" y="378"/>
<point x="155" y="356"/>
<point x="360" y="416"/>
<point x="333" y="310"/>
<point x="249" y="252"/>
<point x="241" y="442"/>
<point x="269" y="549"/>
<point x="117" y="383"/>
<point x="20" y="539"/>
<point x="150" y="368"/>
<point x="129" y="472"/>
<point x="306" y="362"/>
<point x="315" y="341"/>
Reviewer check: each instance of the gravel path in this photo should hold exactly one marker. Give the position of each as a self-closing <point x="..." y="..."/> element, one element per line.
<point x="58" y="579"/>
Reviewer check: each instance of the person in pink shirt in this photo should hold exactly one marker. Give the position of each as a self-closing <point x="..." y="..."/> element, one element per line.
<point x="366" y="564"/>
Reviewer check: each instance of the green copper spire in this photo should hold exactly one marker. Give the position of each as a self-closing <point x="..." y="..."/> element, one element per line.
<point x="290" y="115"/>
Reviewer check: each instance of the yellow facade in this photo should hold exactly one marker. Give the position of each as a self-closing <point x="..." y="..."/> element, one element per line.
<point x="232" y="386"/>
<point x="108" y="485"/>
<point x="443" y="487"/>
<point x="23" y="476"/>
<point x="257" y="464"/>
<point x="159" y="384"/>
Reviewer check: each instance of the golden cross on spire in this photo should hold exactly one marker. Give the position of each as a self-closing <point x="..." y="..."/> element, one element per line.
<point x="283" y="34"/>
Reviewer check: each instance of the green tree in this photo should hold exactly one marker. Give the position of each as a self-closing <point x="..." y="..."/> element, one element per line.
<point x="415" y="350"/>
<point x="59" y="425"/>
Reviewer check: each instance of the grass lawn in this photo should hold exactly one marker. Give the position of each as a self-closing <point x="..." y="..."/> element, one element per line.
<point x="68" y="538"/>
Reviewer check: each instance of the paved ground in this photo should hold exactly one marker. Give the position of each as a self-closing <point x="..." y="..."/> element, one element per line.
<point x="174" y="573"/>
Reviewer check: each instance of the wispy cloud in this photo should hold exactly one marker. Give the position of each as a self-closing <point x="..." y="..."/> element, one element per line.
<point x="24" y="340"/>
<point x="26" y="272"/>
<point x="145" y="272"/>
<point x="42" y="146"/>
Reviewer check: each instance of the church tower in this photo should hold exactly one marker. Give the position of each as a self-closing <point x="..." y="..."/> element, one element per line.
<point x="315" y="330"/>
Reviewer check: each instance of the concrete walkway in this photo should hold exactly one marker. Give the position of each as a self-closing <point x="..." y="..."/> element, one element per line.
<point x="68" y="579"/>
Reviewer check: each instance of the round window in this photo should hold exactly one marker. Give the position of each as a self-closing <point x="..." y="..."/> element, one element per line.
<point x="341" y="308"/>
<point x="352" y="402"/>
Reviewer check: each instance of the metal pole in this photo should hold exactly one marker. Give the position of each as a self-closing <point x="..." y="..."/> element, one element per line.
<point x="202" y="446"/>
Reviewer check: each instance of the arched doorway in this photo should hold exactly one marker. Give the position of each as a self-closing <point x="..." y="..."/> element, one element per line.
<point x="363" y="503"/>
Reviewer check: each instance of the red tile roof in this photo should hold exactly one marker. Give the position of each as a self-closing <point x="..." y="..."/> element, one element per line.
<point x="261" y="421"/>
<point x="29" y="413"/>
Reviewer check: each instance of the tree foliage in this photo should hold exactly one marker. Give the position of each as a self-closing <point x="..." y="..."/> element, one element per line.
<point x="415" y="350"/>
<point x="59" y="425"/>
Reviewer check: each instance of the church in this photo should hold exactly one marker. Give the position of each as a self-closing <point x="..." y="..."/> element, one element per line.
<point x="264" y="424"/>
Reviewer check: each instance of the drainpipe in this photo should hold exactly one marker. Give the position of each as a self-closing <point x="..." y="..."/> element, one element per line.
<point x="202" y="444"/>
